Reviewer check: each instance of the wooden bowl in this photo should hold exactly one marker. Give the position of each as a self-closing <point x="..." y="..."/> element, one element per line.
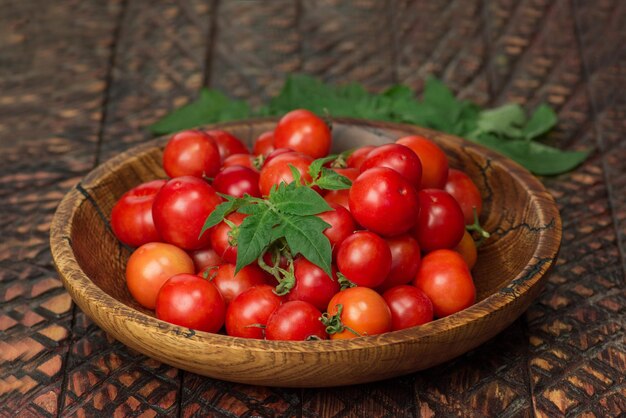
<point x="512" y="266"/>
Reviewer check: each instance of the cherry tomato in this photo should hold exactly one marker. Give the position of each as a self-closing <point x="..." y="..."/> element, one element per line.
<point x="355" y="160"/>
<point x="295" y="321"/>
<point x="278" y="171"/>
<point x="363" y="311"/>
<point x="191" y="302"/>
<point x="237" y="181"/>
<point x="205" y="258"/>
<point x="447" y="281"/>
<point x="465" y="192"/>
<point x="191" y="153"/>
<point x="313" y="285"/>
<point x="383" y="201"/>
<point x="397" y="157"/>
<point x="246" y="160"/>
<point x="275" y="153"/>
<point x="227" y="143"/>
<point x="131" y="217"/>
<point x="433" y="159"/>
<point x="150" y="265"/>
<point x="303" y="131"/>
<point x="180" y="210"/>
<point x="222" y="238"/>
<point x="364" y="258"/>
<point x="341" y="225"/>
<point x="467" y="249"/>
<point x="340" y="197"/>
<point x="232" y="285"/>
<point x="440" y="221"/>
<point x="409" y="306"/>
<point x="249" y="312"/>
<point x="405" y="260"/>
<point x="264" y="144"/>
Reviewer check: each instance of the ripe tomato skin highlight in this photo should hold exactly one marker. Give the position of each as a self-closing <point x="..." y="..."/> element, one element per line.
<point x="295" y="321"/>
<point x="341" y="225"/>
<point x="251" y="308"/>
<point x="232" y="285"/>
<point x="465" y="192"/>
<point x="237" y="181"/>
<point x="150" y="265"/>
<point x="409" y="306"/>
<point x="364" y="258"/>
<point x="397" y="157"/>
<point x="192" y="302"/>
<point x="303" y="131"/>
<point x="264" y="144"/>
<point x="277" y="170"/>
<point x="205" y="258"/>
<point x="364" y="310"/>
<point x="467" y="249"/>
<point x="180" y="210"/>
<point x="191" y="153"/>
<point x="313" y="285"/>
<point x="383" y="201"/>
<point x="227" y="143"/>
<point x="447" y="281"/>
<point x="221" y="237"/>
<point x="433" y="159"/>
<point x="355" y="160"/>
<point x="440" y="221"/>
<point x="131" y="217"/>
<point x="405" y="260"/>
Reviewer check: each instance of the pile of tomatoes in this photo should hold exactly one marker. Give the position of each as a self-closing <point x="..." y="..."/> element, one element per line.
<point x="401" y="252"/>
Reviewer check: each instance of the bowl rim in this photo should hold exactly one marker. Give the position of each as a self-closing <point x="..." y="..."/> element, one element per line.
<point x="545" y="254"/>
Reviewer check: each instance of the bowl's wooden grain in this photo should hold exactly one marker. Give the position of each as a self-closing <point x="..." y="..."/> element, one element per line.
<point x="509" y="274"/>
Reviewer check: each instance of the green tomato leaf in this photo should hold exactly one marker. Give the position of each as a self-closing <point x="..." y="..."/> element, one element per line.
<point x="505" y="120"/>
<point x="316" y="166"/>
<point x="302" y="201"/>
<point x="304" y="235"/>
<point x="221" y="211"/>
<point x="331" y="180"/>
<point x="542" y="120"/>
<point x="210" y="107"/>
<point x="255" y="234"/>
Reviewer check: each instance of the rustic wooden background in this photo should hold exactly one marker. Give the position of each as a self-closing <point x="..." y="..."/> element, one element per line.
<point x="81" y="79"/>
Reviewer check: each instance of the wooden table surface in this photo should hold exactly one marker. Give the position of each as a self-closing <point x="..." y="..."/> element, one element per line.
<point x="81" y="80"/>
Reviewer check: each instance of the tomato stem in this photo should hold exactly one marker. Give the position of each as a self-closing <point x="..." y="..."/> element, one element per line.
<point x="344" y="282"/>
<point x="333" y="323"/>
<point x="475" y="227"/>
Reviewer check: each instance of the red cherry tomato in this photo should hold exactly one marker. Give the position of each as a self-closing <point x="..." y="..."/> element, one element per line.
<point x="341" y="225"/>
<point x="295" y="321"/>
<point x="264" y="144"/>
<point x="383" y="201"/>
<point x="303" y="131"/>
<point x="440" y="221"/>
<point x="355" y="160"/>
<point x="409" y="306"/>
<point x="249" y="312"/>
<point x="245" y="160"/>
<point x="467" y="249"/>
<point x="364" y="258"/>
<point x="232" y="285"/>
<point x="447" y="281"/>
<point x="131" y="217"/>
<point x="191" y="153"/>
<point x="363" y="311"/>
<point x="180" y="210"/>
<point x="397" y="157"/>
<point x="150" y="265"/>
<point x="278" y="171"/>
<point x="227" y="143"/>
<point x="275" y="153"/>
<point x="223" y="240"/>
<point x="405" y="260"/>
<point x="433" y="159"/>
<point x="237" y="181"/>
<point x="313" y="285"/>
<point x="191" y="302"/>
<point x="205" y="258"/>
<point x="465" y="192"/>
<point x="340" y="197"/>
